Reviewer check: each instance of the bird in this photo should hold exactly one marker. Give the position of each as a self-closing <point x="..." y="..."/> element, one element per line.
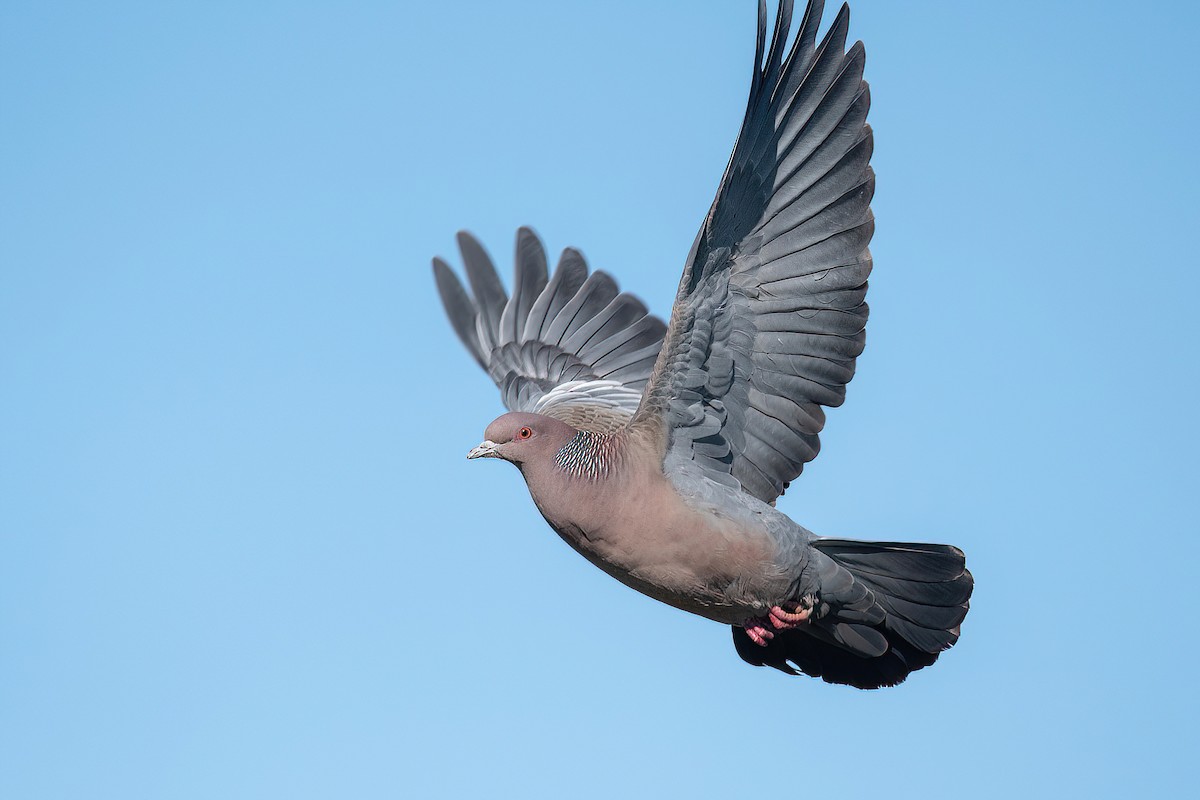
<point x="658" y="451"/>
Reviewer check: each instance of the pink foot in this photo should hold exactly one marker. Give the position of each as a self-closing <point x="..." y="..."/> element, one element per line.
<point x="762" y="629"/>
<point x="758" y="633"/>
<point x="782" y="620"/>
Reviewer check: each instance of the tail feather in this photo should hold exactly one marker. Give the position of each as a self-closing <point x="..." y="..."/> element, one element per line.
<point x="886" y="610"/>
<point x="921" y="563"/>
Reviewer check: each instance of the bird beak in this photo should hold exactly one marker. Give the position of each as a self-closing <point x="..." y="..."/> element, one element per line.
<point x="486" y="449"/>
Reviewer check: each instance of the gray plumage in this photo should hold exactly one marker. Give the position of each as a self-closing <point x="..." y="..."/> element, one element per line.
<point x="658" y="451"/>
<point x="571" y="346"/>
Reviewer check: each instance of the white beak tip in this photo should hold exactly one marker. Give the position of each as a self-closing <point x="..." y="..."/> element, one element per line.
<point x="486" y="449"/>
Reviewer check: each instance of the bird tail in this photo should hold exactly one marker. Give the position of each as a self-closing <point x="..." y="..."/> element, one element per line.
<point x="886" y="609"/>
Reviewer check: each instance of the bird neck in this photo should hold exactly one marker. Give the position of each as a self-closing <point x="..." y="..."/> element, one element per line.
<point x="590" y="455"/>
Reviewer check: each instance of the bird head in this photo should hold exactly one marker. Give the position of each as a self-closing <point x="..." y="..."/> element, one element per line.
<point x="521" y="437"/>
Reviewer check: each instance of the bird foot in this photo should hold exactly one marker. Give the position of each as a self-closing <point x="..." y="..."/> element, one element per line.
<point x="762" y="629"/>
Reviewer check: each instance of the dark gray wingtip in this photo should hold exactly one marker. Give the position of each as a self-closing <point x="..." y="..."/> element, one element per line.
<point x="803" y="46"/>
<point x="459" y="309"/>
<point x="836" y="35"/>
<point x="760" y="48"/>
<point x="490" y="297"/>
<point x="783" y="23"/>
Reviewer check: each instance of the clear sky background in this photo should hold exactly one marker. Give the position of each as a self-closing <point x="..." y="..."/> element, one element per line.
<point x="242" y="554"/>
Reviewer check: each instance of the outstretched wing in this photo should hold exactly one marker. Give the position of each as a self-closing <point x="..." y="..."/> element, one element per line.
<point x="770" y="313"/>
<point x="569" y="346"/>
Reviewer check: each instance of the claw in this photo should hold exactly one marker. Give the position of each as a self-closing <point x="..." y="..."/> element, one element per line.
<point x="762" y="629"/>
<point x="759" y="634"/>
<point x="783" y="620"/>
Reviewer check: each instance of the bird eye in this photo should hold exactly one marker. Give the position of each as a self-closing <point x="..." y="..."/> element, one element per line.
<point x="524" y="433"/>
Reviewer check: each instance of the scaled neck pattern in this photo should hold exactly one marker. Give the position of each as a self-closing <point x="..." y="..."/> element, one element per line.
<point x="589" y="455"/>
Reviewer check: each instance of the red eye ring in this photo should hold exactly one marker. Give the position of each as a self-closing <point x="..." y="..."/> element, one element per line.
<point x="524" y="433"/>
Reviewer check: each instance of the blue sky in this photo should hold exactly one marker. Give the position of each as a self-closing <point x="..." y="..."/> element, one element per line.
<point x="241" y="551"/>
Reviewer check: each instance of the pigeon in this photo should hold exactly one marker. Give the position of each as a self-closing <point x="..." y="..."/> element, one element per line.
<point x="658" y="451"/>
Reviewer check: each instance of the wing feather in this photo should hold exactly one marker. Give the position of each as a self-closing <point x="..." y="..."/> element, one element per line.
<point x="597" y="291"/>
<point x="460" y="309"/>
<point x="490" y="297"/>
<point x="569" y="276"/>
<point x="570" y="346"/>
<point x="771" y="309"/>
<point x="529" y="281"/>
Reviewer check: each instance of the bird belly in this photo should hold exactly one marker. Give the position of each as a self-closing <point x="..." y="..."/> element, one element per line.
<point x="695" y="561"/>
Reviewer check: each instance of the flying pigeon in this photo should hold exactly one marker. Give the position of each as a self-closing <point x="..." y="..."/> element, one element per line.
<point x="658" y="451"/>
